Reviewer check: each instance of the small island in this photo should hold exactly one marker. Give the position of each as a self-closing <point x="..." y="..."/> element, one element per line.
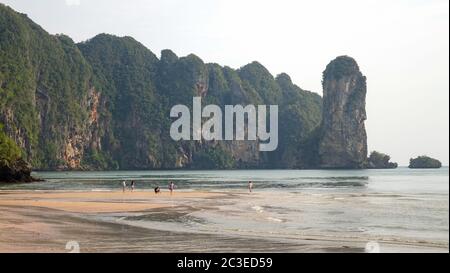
<point x="379" y="160"/>
<point x="424" y="162"/>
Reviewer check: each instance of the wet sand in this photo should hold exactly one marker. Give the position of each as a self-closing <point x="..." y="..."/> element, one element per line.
<point x="96" y="202"/>
<point x="46" y="230"/>
<point x="46" y="221"/>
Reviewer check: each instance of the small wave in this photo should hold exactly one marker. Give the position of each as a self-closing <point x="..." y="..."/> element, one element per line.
<point x="274" y="219"/>
<point x="258" y="209"/>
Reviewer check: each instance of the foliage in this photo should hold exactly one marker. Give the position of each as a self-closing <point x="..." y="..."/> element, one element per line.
<point x="9" y="151"/>
<point x="213" y="158"/>
<point x="47" y="82"/>
<point x="43" y="80"/>
<point x="299" y="119"/>
<point x="379" y="160"/>
<point x="340" y="67"/>
<point x="261" y="80"/>
<point x="99" y="161"/>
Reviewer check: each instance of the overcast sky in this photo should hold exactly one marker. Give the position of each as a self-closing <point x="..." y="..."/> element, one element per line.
<point x="401" y="46"/>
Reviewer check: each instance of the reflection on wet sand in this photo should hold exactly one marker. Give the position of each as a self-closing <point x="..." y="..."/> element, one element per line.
<point x="188" y="221"/>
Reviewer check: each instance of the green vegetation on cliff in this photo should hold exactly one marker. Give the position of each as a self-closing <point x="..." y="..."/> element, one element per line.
<point x="124" y="74"/>
<point x="299" y="120"/>
<point x="379" y="160"/>
<point x="424" y="162"/>
<point x="12" y="167"/>
<point x="105" y="103"/>
<point x="175" y="81"/>
<point x="43" y="80"/>
<point x="9" y="151"/>
<point x="214" y="158"/>
<point x="342" y="66"/>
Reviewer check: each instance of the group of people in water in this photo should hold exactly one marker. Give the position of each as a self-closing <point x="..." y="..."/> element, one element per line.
<point x="157" y="189"/>
<point x="125" y="185"/>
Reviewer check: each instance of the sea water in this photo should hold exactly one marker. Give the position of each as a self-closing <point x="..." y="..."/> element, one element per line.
<point x="410" y="206"/>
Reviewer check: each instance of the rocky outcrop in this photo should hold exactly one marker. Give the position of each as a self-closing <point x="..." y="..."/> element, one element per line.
<point x="343" y="142"/>
<point x="424" y="162"/>
<point x="18" y="171"/>
<point x="379" y="160"/>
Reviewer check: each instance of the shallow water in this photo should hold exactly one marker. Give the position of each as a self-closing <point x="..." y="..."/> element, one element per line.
<point x="388" y="206"/>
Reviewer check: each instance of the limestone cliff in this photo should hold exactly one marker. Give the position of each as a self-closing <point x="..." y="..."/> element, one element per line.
<point x="104" y="104"/>
<point x="343" y="142"/>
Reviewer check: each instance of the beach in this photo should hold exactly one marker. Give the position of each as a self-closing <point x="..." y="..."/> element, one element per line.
<point x="96" y="202"/>
<point x="46" y="221"/>
<point x="288" y="211"/>
<point x="27" y="230"/>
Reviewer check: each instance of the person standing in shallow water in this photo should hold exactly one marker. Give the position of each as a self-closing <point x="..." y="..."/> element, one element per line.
<point x="132" y="185"/>
<point x="171" y="187"/>
<point x="124" y="185"/>
<point x="250" y="186"/>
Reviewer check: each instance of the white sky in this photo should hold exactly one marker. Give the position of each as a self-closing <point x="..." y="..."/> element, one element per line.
<point x="402" y="46"/>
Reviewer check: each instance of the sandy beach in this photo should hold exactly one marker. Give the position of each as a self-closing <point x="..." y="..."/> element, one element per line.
<point x="113" y="221"/>
<point x="95" y="202"/>
<point x="46" y="221"/>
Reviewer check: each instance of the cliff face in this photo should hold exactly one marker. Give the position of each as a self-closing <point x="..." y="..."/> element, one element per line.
<point x="343" y="142"/>
<point x="45" y="93"/>
<point x="105" y="103"/>
<point x="12" y="167"/>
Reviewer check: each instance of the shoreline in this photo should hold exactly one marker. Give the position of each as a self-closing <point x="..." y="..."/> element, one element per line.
<point x="36" y="233"/>
<point x="94" y="236"/>
<point x="95" y="201"/>
<point x="45" y="221"/>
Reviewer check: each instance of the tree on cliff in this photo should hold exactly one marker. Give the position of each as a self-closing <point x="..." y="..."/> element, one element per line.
<point x="9" y="151"/>
<point x="379" y="160"/>
<point x="12" y="167"/>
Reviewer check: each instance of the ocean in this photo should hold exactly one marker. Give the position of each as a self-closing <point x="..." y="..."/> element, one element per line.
<point x="402" y="206"/>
